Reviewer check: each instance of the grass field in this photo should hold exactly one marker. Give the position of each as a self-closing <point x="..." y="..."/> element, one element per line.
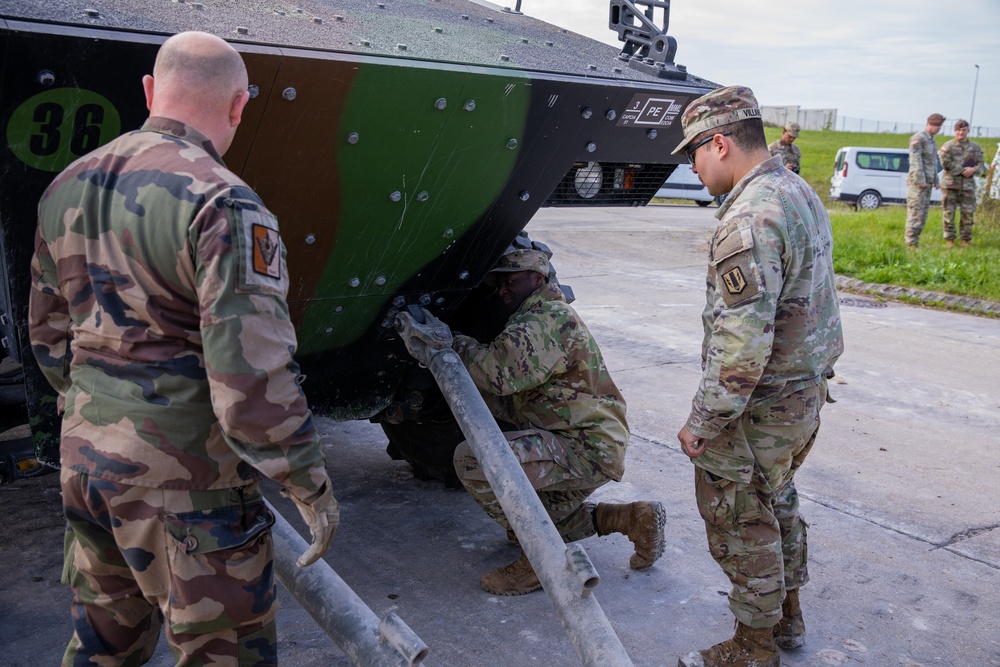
<point x="868" y="245"/>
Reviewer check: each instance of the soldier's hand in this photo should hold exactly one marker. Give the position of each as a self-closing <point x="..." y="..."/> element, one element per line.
<point x="322" y="515"/>
<point x="422" y="339"/>
<point x="691" y="445"/>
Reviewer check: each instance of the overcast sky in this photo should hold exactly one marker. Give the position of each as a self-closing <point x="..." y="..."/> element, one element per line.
<point x="889" y="60"/>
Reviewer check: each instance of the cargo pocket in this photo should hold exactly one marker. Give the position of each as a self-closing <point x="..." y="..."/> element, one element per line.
<point x="226" y="542"/>
<point x="724" y="503"/>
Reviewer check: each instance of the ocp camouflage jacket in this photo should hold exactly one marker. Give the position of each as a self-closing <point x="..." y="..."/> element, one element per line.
<point x="549" y="368"/>
<point x="955" y="157"/>
<point x="771" y="319"/>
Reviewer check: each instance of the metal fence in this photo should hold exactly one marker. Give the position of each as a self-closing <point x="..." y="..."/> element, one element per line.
<point x="849" y="124"/>
<point x="828" y="119"/>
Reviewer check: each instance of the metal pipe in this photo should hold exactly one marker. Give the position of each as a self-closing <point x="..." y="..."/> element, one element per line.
<point x="338" y="610"/>
<point x="567" y="578"/>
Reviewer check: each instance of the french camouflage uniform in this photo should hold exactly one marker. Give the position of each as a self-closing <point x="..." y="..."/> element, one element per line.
<point x="957" y="191"/>
<point x="772" y="334"/>
<point x="545" y="375"/>
<point x="158" y="314"/>
<point x="923" y="171"/>
<point x="790" y="154"/>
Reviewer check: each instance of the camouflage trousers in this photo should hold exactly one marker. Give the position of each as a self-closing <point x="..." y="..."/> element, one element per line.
<point x="965" y="201"/>
<point x="918" y="203"/>
<point x="562" y="479"/>
<point x="755" y="532"/>
<point x="200" y="560"/>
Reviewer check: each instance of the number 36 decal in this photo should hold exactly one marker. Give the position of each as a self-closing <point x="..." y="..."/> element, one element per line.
<point x="51" y="129"/>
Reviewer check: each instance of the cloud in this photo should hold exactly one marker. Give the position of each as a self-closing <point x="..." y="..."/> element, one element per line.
<point x="890" y="60"/>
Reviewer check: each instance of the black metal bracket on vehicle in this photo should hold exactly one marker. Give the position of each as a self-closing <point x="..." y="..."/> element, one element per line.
<point x="648" y="47"/>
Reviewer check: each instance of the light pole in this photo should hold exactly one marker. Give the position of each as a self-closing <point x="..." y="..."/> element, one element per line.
<point x="974" y="86"/>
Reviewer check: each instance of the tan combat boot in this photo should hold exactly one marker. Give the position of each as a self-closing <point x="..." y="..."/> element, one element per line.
<point x="517" y="578"/>
<point x="749" y="647"/>
<point x="948" y="243"/>
<point x="642" y="522"/>
<point x="790" y="632"/>
<point x="964" y="244"/>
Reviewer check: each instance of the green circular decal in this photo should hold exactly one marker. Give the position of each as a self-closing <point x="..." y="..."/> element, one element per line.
<point x="51" y="129"/>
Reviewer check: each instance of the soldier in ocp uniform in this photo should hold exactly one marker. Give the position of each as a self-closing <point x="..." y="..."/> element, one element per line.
<point x="545" y="375"/>
<point x="158" y="314"/>
<point x="790" y="154"/>
<point x="922" y="177"/>
<point x="961" y="160"/>
<point x="771" y="336"/>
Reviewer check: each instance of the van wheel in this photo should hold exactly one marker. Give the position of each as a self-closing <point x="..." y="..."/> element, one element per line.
<point x="869" y="200"/>
<point x="702" y="203"/>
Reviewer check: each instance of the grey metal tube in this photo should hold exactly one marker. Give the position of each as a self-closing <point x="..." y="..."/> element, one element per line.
<point x="567" y="578"/>
<point x="338" y="610"/>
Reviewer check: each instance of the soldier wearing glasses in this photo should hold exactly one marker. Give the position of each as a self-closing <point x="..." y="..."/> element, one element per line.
<point x="772" y="334"/>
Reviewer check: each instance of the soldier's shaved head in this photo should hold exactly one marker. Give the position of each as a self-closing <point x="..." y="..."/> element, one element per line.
<point x="200" y="67"/>
<point x="199" y="79"/>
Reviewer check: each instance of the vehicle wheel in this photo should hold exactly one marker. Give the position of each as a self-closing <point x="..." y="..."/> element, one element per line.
<point x="428" y="447"/>
<point x="720" y="198"/>
<point x="703" y="203"/>
<point x="869" y="200"/>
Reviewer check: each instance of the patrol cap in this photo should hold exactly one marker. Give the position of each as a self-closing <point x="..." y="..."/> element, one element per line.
<point x="792" y="129"/>
<point x="519" y="260"/>
<point x="935" y="119"/>
<point x="960" y="123"/>
<point x="719" y="107"/>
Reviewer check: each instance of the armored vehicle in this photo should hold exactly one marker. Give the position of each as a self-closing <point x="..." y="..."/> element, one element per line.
<point x="403" y="144"/>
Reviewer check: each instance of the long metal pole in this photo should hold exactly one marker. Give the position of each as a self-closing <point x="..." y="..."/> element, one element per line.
<point x="338" y="610"/>
<point x="974" y="86"/>
<point x="566" y="573"/>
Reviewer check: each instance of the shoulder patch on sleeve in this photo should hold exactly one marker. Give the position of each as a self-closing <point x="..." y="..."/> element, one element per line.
<point x="265" y="260"/>
<point x="738" y="275"/>
<point x="260" y="253"/>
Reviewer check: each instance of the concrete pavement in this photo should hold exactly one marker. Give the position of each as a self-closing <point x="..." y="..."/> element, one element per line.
<point x="899" y="492"/>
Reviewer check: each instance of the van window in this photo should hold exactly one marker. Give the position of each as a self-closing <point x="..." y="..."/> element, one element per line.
<point x="884" y="161"/>
<point x="840" y="161"/>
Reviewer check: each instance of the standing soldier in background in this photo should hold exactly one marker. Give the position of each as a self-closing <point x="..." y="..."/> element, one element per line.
<point x="922" y="177"/>
<point x="158" y="314"/>
<point x="961" y="160"/>
<point x="790" y="154"/>
<point x="771" y="336"/>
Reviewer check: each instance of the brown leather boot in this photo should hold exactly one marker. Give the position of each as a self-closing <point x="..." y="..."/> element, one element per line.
<point x="790" y="632"/>
<point x="749" y="647"/>
<point x="948" y="243"/>
<point x="517" y="578"/>
<point x="642" y="522"/>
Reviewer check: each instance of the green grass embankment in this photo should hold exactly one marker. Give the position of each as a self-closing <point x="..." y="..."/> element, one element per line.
<point x="868" y="245"/>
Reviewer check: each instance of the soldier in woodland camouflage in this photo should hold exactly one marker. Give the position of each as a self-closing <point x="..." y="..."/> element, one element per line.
<point x="922" y="177"/>
<point x="790" y="154"/>
<point x="771" y="336"/>
<point x="158" y="314"/>
<point x="961" y="160"/>
<point x="545" y="375"/>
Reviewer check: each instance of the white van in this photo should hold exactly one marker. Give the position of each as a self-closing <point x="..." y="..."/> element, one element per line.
<point x="685" y="184"/>
<point x="870" y="177"/>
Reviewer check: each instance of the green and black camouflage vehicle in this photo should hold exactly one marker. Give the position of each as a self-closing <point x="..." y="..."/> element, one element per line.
<point x="403" y="144"/>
